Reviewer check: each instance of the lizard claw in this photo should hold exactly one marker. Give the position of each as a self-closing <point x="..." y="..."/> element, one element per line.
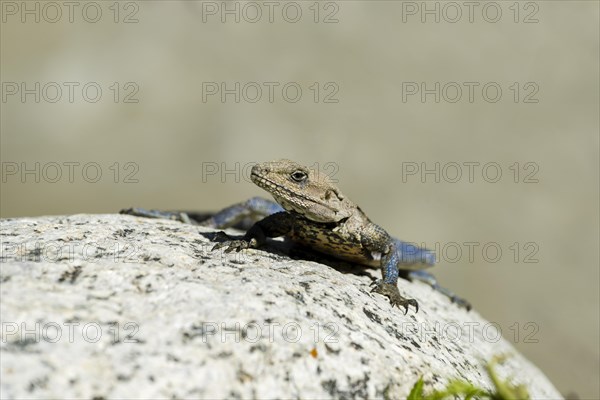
<point x="461" y="302"/>
<point x="393" y="294"/>
<point x="411" y="302"/>
<point x="376" y="282"/>
<point x="232" y="245"/>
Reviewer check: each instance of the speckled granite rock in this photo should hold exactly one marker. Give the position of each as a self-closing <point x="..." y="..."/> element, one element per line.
<point x="113" y="306"/>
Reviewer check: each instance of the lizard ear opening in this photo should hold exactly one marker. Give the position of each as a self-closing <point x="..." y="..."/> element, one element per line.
<point x="331" y="193"/>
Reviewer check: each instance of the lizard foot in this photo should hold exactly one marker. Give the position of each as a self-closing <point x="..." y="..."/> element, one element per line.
<point x="393" y="294"/>
<point x="233" y="245"/>
<point x="461" y="302"/>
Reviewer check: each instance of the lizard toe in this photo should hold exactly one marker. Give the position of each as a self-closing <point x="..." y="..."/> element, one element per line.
<point x="393" y="294"/>
<point x="461" y="302"/>
<point x="375" y="284"/>
<point x="218" y="246"/>
<point x="236" y="245"/>
<point x="222" y="240"/>
<point x="406" y="303"/>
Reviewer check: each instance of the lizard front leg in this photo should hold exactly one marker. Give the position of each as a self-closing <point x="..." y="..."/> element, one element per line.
<point x="388" y="286"/>
<point x="274" y="225"/>
<point x="377" y="240"/>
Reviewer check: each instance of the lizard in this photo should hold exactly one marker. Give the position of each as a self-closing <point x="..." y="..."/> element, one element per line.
<point x="311" y="211"/>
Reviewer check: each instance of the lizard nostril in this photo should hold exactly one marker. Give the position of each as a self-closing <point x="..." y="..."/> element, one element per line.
<point x="257" y="169"/>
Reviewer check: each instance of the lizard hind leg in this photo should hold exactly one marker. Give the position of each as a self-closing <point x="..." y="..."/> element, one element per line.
<point x="429" y="279"/>
<point x="243" y="214"/>
<point x="171" y="215"/>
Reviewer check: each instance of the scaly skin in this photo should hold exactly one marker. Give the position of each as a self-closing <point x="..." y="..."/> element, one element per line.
<point x="311" y="211"/>
<point x="317" y="215"/>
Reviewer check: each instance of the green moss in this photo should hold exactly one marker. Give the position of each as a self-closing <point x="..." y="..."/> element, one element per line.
<point x="503" y="390"/>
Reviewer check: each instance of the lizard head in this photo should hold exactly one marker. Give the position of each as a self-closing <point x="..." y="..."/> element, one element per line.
<point x="302" y="190"/>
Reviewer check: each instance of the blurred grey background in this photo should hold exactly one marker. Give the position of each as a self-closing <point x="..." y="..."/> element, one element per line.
<point x="161" y="131"/>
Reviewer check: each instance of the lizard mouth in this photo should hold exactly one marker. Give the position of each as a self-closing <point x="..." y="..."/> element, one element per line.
<point x="314" y="200"/>
<point x="280" y="191"/>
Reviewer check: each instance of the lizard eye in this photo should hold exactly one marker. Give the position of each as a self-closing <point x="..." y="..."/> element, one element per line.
<point x="299" y="176"/>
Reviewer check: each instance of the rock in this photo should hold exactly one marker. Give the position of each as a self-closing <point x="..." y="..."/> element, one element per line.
<point x="114" y="306"/>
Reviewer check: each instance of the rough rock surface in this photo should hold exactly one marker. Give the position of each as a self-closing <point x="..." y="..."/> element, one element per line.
<point x="113" y="306"/>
